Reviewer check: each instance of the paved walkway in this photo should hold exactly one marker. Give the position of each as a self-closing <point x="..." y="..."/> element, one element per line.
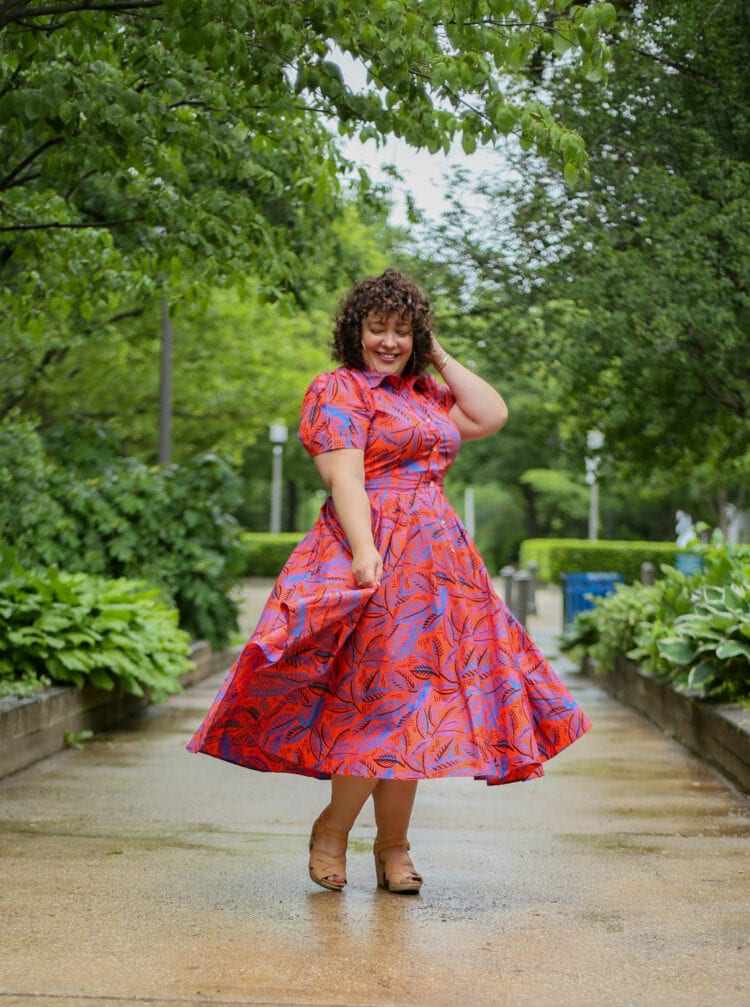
<point x="135" y="873"/>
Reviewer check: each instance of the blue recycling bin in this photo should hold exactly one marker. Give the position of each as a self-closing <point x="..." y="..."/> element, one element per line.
<point x="689" y="563"/>
<point x="578" y="587"/>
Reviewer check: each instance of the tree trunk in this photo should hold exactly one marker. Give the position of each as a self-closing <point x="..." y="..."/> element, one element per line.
<point x="722" y="514"/>
<point x="532" y="521"/>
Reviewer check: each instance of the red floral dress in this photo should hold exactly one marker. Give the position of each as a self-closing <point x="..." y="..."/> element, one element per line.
<point x="428" y="675"/>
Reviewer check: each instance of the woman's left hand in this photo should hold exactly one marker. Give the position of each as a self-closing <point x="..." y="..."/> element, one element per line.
<point x="436" y="351"/>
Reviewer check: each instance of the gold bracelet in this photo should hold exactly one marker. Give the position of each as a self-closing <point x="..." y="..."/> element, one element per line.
<point x="440" y="365"/>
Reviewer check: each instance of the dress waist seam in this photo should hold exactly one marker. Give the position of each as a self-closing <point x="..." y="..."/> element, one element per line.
<point x="391" y="490"/>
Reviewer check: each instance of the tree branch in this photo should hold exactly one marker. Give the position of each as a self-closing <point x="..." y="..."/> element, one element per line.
<point x="194" y="103"/>
<point x="71" y="227"/>
<point x="734" y="404"/>
<point x="77" y="182"/>
<point x="723" y="396"/>
<point x="6" y="183"/>
<point x="18" y="13"/>
<point x="51" y="356"/>
<point x="11" y="80"/>
<point x="675" y="65"/>
<point x="122" y="315"/>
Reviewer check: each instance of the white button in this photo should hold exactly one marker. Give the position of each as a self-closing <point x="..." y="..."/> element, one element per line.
<point x="432" y="482"/>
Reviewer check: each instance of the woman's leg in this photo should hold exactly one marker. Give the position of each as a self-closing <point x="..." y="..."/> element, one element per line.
<point x="394" y="800"/>
<point x="348" y="795"/>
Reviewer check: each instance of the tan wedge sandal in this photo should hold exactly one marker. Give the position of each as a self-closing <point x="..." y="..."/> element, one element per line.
<point x="324" y="866"/>
<point x="401" y="878"/>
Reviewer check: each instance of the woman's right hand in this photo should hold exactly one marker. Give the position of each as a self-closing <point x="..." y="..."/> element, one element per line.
<point x="367" y="567"/>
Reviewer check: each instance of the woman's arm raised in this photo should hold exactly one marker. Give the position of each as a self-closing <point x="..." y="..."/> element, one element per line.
<point x="343" y="472"/>
<point x="478" y="410"/>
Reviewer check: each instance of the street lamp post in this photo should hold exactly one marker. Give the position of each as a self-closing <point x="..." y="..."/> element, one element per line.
<point x="594" y="444"/>
<point x="277" y="435"/>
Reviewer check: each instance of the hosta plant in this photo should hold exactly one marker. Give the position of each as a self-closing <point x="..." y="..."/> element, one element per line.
<point x="75" y="629"/>
<point x="709" y="648"/>
<point x="693" y="631"/>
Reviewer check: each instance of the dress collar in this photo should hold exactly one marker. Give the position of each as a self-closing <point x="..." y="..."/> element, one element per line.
<point x="375" y="379"/>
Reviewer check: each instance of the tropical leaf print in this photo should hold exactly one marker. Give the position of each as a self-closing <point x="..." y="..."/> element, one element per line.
<point x="427" y="676"/>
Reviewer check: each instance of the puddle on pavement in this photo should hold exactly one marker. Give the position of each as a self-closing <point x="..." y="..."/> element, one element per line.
<point x="634" y="843"/>
<point x="140" y="842"/>
<point x="224" y="840"/>
<point x="694" y="820"/>
<point x="614" y="769"/>
<point x="611" y="922"/>
<point x="612" y="842"/>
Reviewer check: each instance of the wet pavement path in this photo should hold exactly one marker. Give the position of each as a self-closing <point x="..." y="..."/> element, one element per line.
<point x="133" y="872"/>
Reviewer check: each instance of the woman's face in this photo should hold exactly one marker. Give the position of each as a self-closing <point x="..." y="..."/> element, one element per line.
<point x="387" y="342"/>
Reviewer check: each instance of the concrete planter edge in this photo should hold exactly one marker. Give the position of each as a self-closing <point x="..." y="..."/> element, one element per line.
<point x="34" y="727"/>
<point x="719" y="733"/>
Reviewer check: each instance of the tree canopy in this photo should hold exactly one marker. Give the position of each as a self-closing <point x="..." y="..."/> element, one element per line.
<point x="632" y="294"/>
<point x="151" y="148"/>
<point x="196" y="128"/>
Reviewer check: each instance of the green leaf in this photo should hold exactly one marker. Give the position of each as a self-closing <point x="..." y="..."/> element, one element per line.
<point x="468" y="142"/>
<point x="101" y="679"/>
<point x="676" y="651"/>
<point x="733" y="648"/>
<point x="607" y="15"/>
<point x="571" y="174"/>
<point x="701" y="675"/>
<point x="76" y="739"/>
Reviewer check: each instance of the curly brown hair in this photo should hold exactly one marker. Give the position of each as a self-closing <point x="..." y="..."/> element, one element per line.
<point x="391" y="293"/>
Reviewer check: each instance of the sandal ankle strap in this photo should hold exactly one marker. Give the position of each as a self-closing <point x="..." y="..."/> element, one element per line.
<point x="326" y="830"/>
<point x="385" y="844"/>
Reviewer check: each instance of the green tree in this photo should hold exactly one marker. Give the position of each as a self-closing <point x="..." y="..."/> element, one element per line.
<point x="238" y="365"/>
<point x="240" y="362"/>
<point x="151" y="146"/>
<point x="632" y="294"/>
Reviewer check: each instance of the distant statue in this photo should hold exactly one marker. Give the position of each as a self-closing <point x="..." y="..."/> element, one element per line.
<point x="684" y="529"/>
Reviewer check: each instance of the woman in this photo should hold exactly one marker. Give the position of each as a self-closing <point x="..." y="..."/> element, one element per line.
<point x="384" y="656"/>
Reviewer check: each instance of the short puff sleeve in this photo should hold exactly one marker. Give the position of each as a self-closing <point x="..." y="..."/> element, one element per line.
<point x="335" y="413"/>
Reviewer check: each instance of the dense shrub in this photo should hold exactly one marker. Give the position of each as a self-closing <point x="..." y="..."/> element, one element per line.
<point x="31" y="519"/>
<point x="263" y="554"/>
<point x="117" y="517"/>
<point x="170" y="525"/>
<point x="693" y="631"/>
<point x="76" y="629"/>
<point x="572" y="555"/>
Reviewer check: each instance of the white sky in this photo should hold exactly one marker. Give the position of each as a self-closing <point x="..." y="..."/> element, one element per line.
<point x="425" y="175"/>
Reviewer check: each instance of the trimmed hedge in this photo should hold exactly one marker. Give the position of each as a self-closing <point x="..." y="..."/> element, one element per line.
<point x="579" y="555"/>
<point x="265" y="554"/>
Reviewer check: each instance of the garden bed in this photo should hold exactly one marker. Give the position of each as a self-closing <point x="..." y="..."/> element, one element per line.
<point x="717" y="732"/>
<point x="34" y="727"/>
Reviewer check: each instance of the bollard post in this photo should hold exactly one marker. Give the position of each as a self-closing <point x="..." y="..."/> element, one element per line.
<point x="521" y="584"/>
<point x="648" y="572"/>
<point x="507" y="574"/>
<point x="533" y="567"/>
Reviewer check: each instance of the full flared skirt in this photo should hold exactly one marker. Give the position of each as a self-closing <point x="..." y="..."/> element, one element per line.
<point x="429" y="675"/>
